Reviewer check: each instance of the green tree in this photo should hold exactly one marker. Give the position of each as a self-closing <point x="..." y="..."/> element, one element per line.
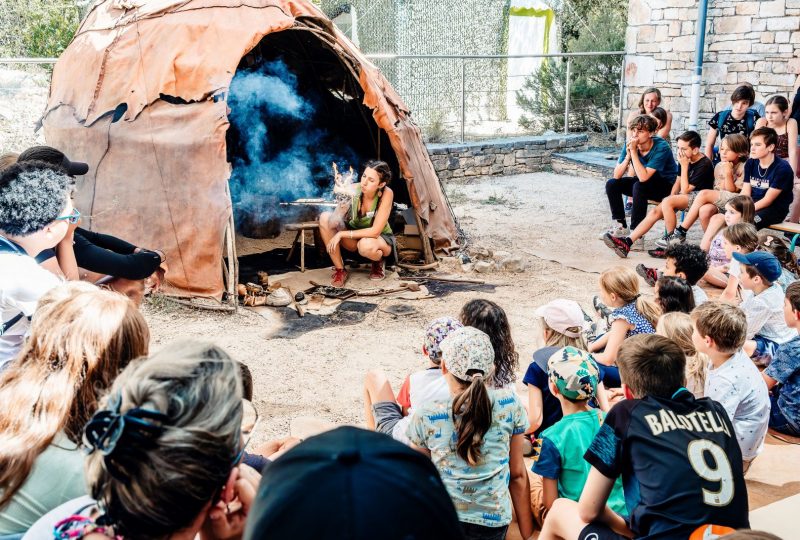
<point x="38" y="28"/>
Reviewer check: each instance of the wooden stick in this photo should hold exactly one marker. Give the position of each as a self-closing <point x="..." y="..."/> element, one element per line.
<point x="424" y="240"/>
<point x="446" y="280"/>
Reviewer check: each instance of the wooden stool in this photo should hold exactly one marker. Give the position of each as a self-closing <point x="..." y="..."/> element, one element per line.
<point x="301" y="229"/>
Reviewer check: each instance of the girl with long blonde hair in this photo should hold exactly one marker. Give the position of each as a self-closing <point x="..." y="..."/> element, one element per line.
<point x="81" y="339"/>
<point x="678" y="327"/>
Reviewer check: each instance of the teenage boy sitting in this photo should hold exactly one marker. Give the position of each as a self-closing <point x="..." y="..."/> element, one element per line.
<point x="783" y="374"/>
<point x="732" y="380"/>
<point x="695" y="173"/>
<point x="687" y="261"/>
<point x="654" y="172"/>
<point x="768" y="179"/>
<point x="740" y="118"/>
<point x="35" y="214"/>
<point x="574" y="380"/>
<point x="390" y="415"/>
<point x="766" y="324"/>
<point x="677" y="456"/>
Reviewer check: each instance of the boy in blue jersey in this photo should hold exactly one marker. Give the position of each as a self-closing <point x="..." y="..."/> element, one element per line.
<point x="678" y="457"/>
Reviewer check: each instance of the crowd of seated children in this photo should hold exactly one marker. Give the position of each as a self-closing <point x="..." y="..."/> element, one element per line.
<point x="769" y="241"/>
<point x="783" y="373"/>
<point x="695" y="173"/>
<point x="686" y="261"/>
<point x="665" y="456"/>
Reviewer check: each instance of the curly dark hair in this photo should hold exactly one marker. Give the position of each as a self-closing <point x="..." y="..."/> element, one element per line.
<point x="490" y="318"/>
<point x="689" y="259"/>
<point x="32" y="195"/>
<point x="674" y="294"/>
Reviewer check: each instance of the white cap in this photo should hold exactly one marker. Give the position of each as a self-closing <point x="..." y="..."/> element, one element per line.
<point x="563" y="316"/>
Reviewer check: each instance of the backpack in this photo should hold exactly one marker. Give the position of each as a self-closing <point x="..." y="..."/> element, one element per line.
<point x="749" y="120"/>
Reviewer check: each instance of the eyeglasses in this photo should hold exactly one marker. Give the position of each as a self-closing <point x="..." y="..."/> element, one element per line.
<point x="72" y="218"/>
<point x="250" y="421"/>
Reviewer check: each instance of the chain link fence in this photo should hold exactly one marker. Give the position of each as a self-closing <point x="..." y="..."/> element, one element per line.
<point x="452" y="97"/>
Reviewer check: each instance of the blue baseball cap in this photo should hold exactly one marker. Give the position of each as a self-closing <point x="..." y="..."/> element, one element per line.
<point x="766" y="263"/>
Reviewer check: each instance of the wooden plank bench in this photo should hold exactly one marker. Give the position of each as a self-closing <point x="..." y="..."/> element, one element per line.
<point x="791" y="228"/>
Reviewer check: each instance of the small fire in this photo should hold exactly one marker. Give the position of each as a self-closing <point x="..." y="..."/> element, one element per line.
<point x="344" y="187"/>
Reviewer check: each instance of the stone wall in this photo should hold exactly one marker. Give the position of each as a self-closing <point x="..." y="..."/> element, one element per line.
<point x="501" y="157"/>
<point x="746" y="41"/>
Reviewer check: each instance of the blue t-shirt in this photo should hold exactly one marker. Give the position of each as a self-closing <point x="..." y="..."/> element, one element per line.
<point x="779" y="175"/>
<point x="785" y="368"/>
<point x="536" y="375"/>
<point x="659" y="158"/>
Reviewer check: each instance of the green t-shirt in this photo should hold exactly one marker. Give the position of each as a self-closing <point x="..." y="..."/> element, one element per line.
<point x="561" y="456"/>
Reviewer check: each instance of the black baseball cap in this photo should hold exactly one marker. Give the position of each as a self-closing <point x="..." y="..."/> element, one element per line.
<point x="350" y="483"/>
<point x="48" y="154"/>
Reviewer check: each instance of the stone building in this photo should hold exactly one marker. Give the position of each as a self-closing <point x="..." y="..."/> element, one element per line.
<point x="756" y="41"/>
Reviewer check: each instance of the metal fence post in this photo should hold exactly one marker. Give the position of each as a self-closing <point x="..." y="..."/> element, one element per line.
<point x="463" y="98"/>
<point x="566" y="96"/>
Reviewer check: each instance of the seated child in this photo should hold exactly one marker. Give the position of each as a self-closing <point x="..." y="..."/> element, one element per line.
<point x="770" y="242"/>
<point x="740" y="118"/>
<point x="740" y="238"/>
<point x="677" y="456"/>
<point x="490" y="318"/>
<point x="475" y="439"/>
<point x="766" y="326"/>
<point x="673" y="293"/>
<point x="768" y="179"/>
<point x="35" y="214"/>
<point x="390" y="415"/>
<point x="678" y="327"/>
<point x="573" y="380"/>
<point x="739" y="209"/>
<point x="686" y="261"/>
<point x="695" y="173"/>
<point x="728" y="178"/>
<point x="732" y="379"/>
<point x="631" y="315"/>
<point x="563" y="325"/>
<point x="783" y="374"/>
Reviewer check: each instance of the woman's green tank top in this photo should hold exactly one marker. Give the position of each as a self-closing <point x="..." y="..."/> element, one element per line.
<point x="364" y="222"/>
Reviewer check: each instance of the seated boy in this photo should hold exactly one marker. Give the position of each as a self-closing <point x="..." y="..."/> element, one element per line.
<point x="766" y="324"/>
<point x="574" y="380"/>
<point x="732" y="379"/>
<point x="687" y="261"/>
<point x="783" y="374"/>
<point x="695" y="173"/>
<point x="35" y="214"/>
<point x="677" y="456"/>
<point x="768" y="179"/>
<point x="390" y="415"/>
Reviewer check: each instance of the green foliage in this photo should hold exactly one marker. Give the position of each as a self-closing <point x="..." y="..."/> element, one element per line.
<point x="594" y="81"/>
<point x="575" y="18"/>
<point x="38" y="28"/>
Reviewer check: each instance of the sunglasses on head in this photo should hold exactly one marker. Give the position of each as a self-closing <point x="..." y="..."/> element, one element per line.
<point x="72" y="218"/>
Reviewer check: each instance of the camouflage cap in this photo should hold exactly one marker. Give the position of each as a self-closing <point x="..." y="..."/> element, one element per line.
<point x="574" y="372"/>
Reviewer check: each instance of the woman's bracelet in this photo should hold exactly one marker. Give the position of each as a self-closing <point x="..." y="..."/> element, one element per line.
<point x="351" y="235"/>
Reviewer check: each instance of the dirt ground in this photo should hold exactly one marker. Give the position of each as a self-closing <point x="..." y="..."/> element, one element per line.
<point x="553" y="221"/>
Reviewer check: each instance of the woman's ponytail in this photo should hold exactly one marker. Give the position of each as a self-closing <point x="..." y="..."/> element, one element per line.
<point x="472" y="415"/>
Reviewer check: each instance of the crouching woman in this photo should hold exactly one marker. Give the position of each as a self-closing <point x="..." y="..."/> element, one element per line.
<point x="364" y="226"/>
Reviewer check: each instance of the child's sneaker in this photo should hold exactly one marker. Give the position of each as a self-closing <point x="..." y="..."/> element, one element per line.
<point x="676" y="237"/>
<point x="615" y="230"/>
<point x="628" y="208"/>
<point x="650" y="275"/>
<point x="621" y="246"/>
<point x="658" y="253"/>
<point x="663" y="242"/>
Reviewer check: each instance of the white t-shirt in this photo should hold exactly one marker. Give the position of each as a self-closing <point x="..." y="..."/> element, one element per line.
<point x="43" y="528"/>
<point x="22" y="283"/>
<point x="700" y="296"/>
<point x="738" y="386"/>
<point x="424" y="387"/>
<point x="764" y="313"/>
